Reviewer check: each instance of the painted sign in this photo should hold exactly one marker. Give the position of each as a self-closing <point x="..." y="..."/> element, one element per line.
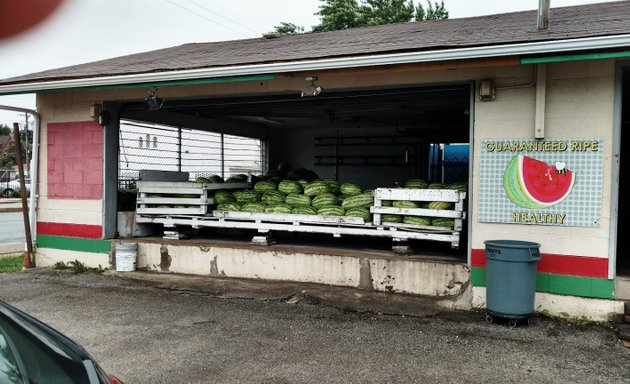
<point x="544" y="182"/>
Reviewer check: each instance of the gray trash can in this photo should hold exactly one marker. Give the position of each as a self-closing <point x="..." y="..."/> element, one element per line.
<point x="511" y="279"/>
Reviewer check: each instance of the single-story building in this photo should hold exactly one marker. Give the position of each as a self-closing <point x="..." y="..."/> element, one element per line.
<point x="534" y="118"/>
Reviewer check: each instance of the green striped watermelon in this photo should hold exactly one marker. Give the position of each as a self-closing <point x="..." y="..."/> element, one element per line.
<point x="359" y="212"/>
<point x="359" y="201"/>
<point x="272" y="197"/>
<point x="416" y="183"/>
<point x="289" y="186"/>
<point x="263" y="186"/>
<point x="331" y="211"/>
<point x="405" y="204"/>
<point x="324" y="200"/>
<point x="278" y="208"/>
<point x="247" y="196"/>
<point x="304" y="211"/>
<point x="417" y="220"/>
<point x="350" y="189"/>
<point x="316" y="188"/>
<point x="297" y="200"/>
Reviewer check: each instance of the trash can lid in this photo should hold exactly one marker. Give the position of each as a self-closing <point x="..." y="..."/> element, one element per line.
<point x="512" y="250"/>
<point x="512" y="243"/>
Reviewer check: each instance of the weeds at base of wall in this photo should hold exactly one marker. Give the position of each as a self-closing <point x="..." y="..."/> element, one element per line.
<point x="579" y="321"/>
<point x="77" y="267"/>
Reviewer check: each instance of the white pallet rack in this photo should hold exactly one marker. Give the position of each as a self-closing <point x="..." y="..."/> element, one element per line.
<point x="266" y="223"/>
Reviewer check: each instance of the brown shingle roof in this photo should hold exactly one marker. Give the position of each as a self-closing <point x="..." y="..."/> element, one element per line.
<point x="590" y="20"/>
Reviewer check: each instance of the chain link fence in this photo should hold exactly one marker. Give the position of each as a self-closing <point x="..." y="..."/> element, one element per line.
<point x="146" y="146"/>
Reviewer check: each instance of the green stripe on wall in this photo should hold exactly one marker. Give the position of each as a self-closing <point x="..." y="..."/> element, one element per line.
<point x="478" y="276"/>
<point x="73" y="244"/>
<point x="560" y="284"/>
<point x="582" y="56"/>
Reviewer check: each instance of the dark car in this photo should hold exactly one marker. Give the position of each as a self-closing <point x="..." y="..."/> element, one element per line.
<point x="33" y="352"/>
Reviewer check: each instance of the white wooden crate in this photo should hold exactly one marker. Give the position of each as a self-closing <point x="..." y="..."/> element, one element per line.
<point x="422" y="195"/>
<point x="179" y="193"/>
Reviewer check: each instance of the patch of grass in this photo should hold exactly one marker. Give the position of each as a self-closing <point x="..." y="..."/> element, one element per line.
<point x="11" y="263"/>
<point x="581" y="321"/>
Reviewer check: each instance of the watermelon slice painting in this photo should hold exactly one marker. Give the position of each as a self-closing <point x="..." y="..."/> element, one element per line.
<point x="534" y="184"/>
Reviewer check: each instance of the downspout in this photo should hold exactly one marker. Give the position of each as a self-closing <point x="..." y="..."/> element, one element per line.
<point x="541" y="73"/>
<point x="541" y="94"/>
<point x="34" y="169"/>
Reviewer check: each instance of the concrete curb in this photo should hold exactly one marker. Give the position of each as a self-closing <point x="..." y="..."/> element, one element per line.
<point x="293" y="292"/>
<point x="10" y="249"/>
<point x="10" y="209"/>
<point x="10" y="205"/>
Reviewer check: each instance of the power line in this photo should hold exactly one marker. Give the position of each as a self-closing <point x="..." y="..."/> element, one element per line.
<point x="223" y="17"/>
<point x="205" y="18"/>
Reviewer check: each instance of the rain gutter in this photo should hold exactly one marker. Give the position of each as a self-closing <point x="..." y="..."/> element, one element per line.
<point x="141" y="79"/>
<point x="33" y="170"/>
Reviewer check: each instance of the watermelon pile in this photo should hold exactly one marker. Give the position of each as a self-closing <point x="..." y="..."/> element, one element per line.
<point x="296" y="191"/>
<point x="300" y="191"/>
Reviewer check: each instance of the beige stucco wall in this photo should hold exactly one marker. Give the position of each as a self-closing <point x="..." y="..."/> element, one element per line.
<point x="579" y="104"/>
<point x="62" y="108"/>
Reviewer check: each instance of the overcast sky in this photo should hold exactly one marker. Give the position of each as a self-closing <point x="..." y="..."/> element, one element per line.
<point x="82" y="31"/>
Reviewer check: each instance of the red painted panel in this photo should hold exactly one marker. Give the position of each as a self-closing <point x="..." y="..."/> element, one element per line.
<point x="585" y="266"/>
<point x="75" y="160"/>
<point x="71" y="230"/>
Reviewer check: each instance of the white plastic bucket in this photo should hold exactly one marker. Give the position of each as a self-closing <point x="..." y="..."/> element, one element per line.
<point x="126" y="257"/>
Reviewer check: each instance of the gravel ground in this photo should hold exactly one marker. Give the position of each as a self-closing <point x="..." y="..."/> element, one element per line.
<point x="145" y="334"/>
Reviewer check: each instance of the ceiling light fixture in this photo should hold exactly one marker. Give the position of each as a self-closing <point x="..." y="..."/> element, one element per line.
<point x="153" y="102"/>
<point x="312" y="89"/>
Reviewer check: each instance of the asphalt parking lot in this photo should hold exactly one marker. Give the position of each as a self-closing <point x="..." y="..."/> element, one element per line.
<point x="148" y="333"/>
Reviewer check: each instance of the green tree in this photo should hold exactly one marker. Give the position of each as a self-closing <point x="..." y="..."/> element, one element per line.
<point x="338" y="14"/>
<point x="379" y="12"/>
<point x="288" y="29"/>
<point x="344" y="14"/>
<point x="5" y="130"/>
<point x="8" y="158"/>
<point x="434" y="11"/>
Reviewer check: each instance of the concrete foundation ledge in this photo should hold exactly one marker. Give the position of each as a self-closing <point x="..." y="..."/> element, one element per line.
<point x="567" y="307"/>
<point x="354" y="299"/>
<point x="447" y="280"/>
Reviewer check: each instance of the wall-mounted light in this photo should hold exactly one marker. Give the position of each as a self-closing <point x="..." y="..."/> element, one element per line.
<point x="153" y="102"/>
<point x="95" y="109"/>
<point x="103" y="118"/>
<point x="486" y="90"/>
<point x="312" y="89"/>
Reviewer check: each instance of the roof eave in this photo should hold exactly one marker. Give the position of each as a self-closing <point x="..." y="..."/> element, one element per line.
<point x="142" y="79"/>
